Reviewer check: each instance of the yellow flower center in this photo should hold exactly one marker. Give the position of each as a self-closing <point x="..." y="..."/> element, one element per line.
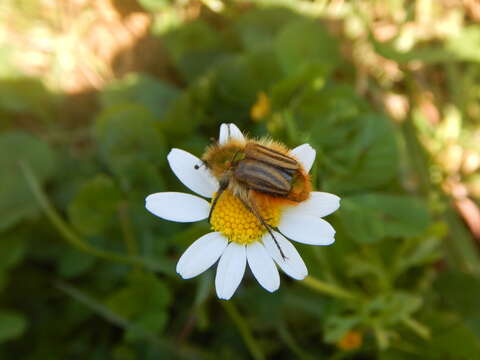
<point x="237" y="223"/>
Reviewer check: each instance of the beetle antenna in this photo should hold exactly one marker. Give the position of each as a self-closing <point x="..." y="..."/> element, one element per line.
<point x="278" y="230"/>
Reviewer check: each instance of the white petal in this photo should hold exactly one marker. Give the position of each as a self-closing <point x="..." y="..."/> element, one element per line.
<point x="230" y="270"/>
<point x="292" y="264"/>
<point x="229" y="131"/>
<point x="319" y="204"/>
<point x="305" y="154"/>
<point x="235" y="132"/>
<point x="175" y="206"/>
<point x="191" y="171"/>
<point x="262" y="266"/>
<point x="307" y="229"/>
<point x="202" y="254"/>
<point x="223" y="137"/>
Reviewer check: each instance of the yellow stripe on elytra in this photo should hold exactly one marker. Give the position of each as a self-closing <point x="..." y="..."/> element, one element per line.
<point x="231" y="218"/>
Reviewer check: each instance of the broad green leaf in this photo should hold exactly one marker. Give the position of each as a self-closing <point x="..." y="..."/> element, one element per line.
<point x="194" y="48"/>
<point x="16" y="198"/>
<point x="451" y="338"/>
<point x="366" y="156"/>
<point x="127" y="134"/>
<point x="143" y="302"/>
<point x="140" y="89"/>
<point x="12" y="249"/>
<point x="239" y="79"/>
<point x="330" y="111"/>
<point x="356" y="148"/>
<point x="95" y="206"/>
<point x="12" y="325"/>
<point x="369" y="218"/>
<point x="305" y="41"/>
<point x="258" y="28"/>
<point x="153" y="321"/>
<point x="189" y="110"/>
<point x="310" y="77"/>
<point x="74" y="263"/>
<point x="26" y="96"/>
<point x="460" y="291"/>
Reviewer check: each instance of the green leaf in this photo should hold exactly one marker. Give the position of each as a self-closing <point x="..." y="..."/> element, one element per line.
<point x="452" y="288"/>
<point x="310" y="77"/>
<point x="239" y="79"/>
<point x="357" y="148"/>
<point x="144" y="302"/>
<point x="189" y="110"/>
<point x="12" y="249"/>
<point x="430" y="54"/>
<point x="305" y="41"/>
<point x="155" y="5"/>
<point x="128" y="134"/>
<point x="12" y="325"/>
<point x="140" y="89"/>
<point x="27" y="96"/>
<point x="16" y="200"/>
<point x="153" y="321"/>
<point x="451" y="338"/>
<point x="367" y="156"/>
<point x="390" y="309"/>
<point x="74" y="263"/>
<point x="194" y="47"/>
<point x="369" y="218"/>
<point x="95" y="205"/>
<point x="258" y="28"/>
<point x="330" y="111"/>
<point x="466" y="46"/>
<point x="337" y="326"/>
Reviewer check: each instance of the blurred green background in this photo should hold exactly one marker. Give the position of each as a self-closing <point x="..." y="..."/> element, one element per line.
<point x="93" y="94"/>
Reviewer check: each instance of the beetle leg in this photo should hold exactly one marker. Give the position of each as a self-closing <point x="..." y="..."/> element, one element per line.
<point x="250" y="205"/>
<point x="221" y="189"/>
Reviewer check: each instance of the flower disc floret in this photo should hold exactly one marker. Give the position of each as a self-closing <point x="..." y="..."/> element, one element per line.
<point x="231" y="218"/>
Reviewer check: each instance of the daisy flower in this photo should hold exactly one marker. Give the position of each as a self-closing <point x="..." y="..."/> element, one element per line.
<point x="238" y="237"/>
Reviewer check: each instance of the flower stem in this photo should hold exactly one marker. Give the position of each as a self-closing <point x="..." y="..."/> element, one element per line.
<point x="244" y="330"/>
<point x="326" y="288"/>
<point x="68" y="234"/>
<point x="418" y="328"/>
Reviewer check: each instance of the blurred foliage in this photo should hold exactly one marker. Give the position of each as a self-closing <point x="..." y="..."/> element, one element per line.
<point x="388" y="94"/>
